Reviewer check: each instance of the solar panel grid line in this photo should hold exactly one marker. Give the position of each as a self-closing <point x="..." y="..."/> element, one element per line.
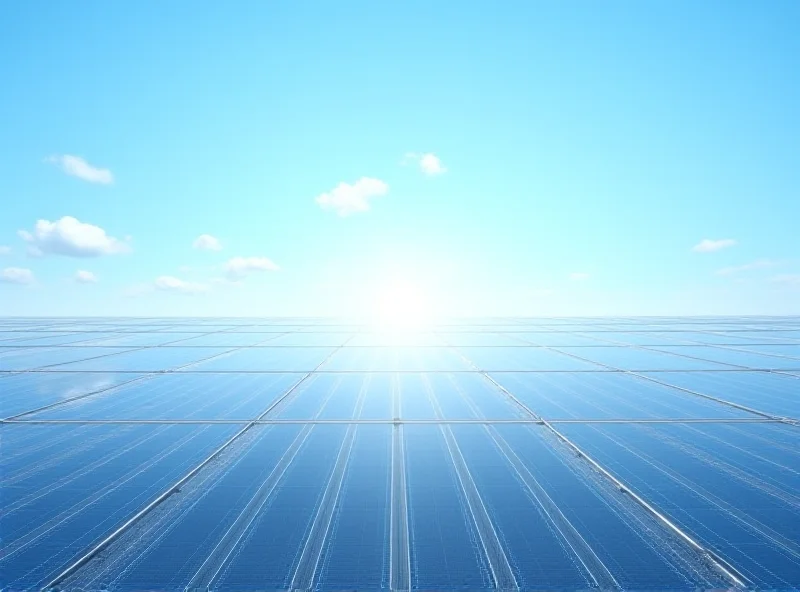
<point x="49" y="368"/>
<point x="70" y="400"/>
<point x="710" y="346"/>
<point x="124" y="351"/>
<point x="595" y="568"/>
<point x="699" y="394"/>
<point x="572" y="538"/>
<point x="346" y="421"/>
<point x="730" y="572"/>
<point x="747" y="351"/>
<point x="88" y="556"/>
<point x="35" y="534"/>
<point x="83" y="560"/>
<point x="757" y="482"/>
<point x="754" y="524"/>
<point x="717" y="399"/>
<point x="119" y="564"/>
<point x="211" y="569"/>
<point x="399" y="539"/>
<point x="306" y="570"/>
<point x="83" y="470"/>
<point x="515" y="400"/>
<point x="495" y="554"/>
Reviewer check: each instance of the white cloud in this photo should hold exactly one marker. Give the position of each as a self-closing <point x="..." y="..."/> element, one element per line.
<point x="578" y="276"/>
<point x="240" y="267"/>
<point x="85" y="277"/>
<point x="78" y="167"/>
<point x="206" y="242"/>
<point x="4" y="250"/>
<point x="760" y="264"/>
<point x="72" y="238"/>
<point x="169" y="283"/>
<point x="429" y="163"/>
<point x="347" y="199"/>
<point x="16" y="275"/>
<point x="708" y="245"/>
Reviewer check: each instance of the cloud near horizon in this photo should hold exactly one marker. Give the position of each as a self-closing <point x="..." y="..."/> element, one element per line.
<point x="17" y="275"/>
<point x="239" y="268"/>
<point x="76" y="166"/>
<point x="708" y="245"/>
<point x="168" y="283"/>
<point x="760" y="264"/>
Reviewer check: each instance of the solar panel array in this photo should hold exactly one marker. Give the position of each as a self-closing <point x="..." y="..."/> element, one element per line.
<point x="309" y="454"/>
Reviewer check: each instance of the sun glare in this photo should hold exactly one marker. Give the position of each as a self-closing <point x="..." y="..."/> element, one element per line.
<point x="401" y="306"/>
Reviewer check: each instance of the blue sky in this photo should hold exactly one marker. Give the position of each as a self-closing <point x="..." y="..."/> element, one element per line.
<point x="502" y="158"/>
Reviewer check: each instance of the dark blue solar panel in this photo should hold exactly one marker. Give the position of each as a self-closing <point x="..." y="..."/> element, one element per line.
<point x="749" y="521"/>
<point x="445" y="548"/>
<point x="63" y="499"/>
<point x="356" y="553"/>
<point x="610" y="395"/>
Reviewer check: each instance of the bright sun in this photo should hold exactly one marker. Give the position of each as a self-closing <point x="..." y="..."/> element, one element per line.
<point x="401" y="305"/>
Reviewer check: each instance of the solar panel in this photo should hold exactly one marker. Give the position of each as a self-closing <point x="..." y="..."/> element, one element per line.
<point x="480" y="454"/>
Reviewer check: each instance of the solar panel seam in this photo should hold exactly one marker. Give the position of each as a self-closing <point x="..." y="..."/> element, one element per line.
<point x="388" y="421"/>
<point x="78" y="397"/>
<point x="494" y="383"/>
<point x="723" y="401"/>
<point x="306" y="569"/>
<point x="732" y="510"/>
<point x="493" y="550"/>
<point x="307" y="566"/>
<point x="399" y="540"/>
<point x="594" y="566"/>
<point x="211" y="569"/>
<point x="596" y="569"/>
<point x="726" y="569"/>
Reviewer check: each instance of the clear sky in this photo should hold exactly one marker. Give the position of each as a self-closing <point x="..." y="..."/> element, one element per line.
<point x="488" y="158"/>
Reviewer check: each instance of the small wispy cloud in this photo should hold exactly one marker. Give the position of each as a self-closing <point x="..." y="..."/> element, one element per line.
<point x="791" y="280"/>
<point x="429" y="163"/>
<point x="206" y="242"/>
<point x="168" y="283"/>
<point x="71" y="238"/>
<point x="708" y="245"/>
<point x="240" y="267"/>
<point x="737" y="269"/>
<point x="76" y="166"/>
<point x="17" y="275"/>
<point x="346" y="199"/>
<point x="4" y="250"/>
<point x="85" y="277"/>
<point x="578" y="276"/>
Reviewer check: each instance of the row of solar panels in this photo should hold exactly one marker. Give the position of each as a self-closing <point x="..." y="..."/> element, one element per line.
<point x="409" y="396"/>
<point x="251" y="517"/>
<point x="404" y="359"/>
